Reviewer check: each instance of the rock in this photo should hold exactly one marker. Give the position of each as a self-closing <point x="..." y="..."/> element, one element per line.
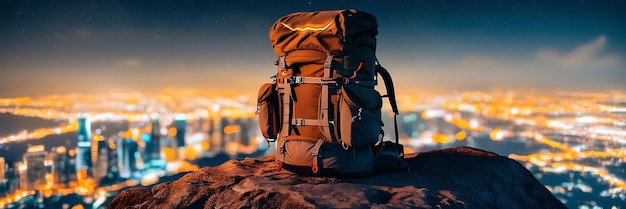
<point x="459" y="177"/>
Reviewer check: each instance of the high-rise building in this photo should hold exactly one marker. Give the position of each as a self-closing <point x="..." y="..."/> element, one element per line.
<point x="2" y="171"/>
<point x="101" y="158"/>
<point x="114" y="169"/>
<point x="224" y="137"/>
<point x="34" y="160"/>
<point x="127" y="157"/>
<point x="61" y="168"/>
<point x="181" y="125"/>
<point x="211" y="126"/>
<point x="153" y="147"/>
<point x="12" y="176"/>
<point x="245" y="125"/>
<point x="3" y="180"/>
<point x="154" y="160"/>
<point x="21" y="176"/>
<point x="83" y="150"/>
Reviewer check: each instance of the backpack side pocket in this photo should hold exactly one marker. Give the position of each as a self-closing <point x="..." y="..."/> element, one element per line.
<point x="359" y="116"/>
<point x="268" y="110"/>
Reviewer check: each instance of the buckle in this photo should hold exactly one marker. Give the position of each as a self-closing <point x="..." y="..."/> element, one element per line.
<point x="298" y="122"/>
<point x="345" y="80"/>
<point x="295" y="80"/>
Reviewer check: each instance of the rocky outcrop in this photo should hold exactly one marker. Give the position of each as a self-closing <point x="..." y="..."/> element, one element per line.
<point x="459" y="177"/>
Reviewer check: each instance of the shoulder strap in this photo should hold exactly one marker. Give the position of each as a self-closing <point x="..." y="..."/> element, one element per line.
<point x="391" y="95"/>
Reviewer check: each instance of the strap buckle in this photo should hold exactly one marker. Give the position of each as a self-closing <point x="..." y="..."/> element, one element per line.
<point x="296" y="80"/>
<point x="298" y="122"/>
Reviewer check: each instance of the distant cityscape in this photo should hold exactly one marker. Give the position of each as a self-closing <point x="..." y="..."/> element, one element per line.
<point x="79" y="151"/>
<point x="112" y="143"/>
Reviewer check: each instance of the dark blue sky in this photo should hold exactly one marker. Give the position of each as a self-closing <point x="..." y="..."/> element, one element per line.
<point x="110" y="46"/>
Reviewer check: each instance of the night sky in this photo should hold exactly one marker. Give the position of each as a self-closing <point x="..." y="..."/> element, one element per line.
<point x="50" y="47"/>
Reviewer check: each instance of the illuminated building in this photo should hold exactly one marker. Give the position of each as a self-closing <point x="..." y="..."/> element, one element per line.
<point x="181" y="125"/>
<point x="153" y="144"/>
<point x="35" y="168"/>
<point x="127" y="157"/>
<point x="245" y="125"/>
<point x="113" y="169"/>
<point x="2" y="171"/>
<point x="101" y="159"/>
<point x="12" y="177"/>
<point x="61" y="168"/>
<point x="210" y="126"/>
<point x="21" y="175"/>
<point x="3" y="180"/>
<point x="224" y="137"/>
<point x="83" y="151"/>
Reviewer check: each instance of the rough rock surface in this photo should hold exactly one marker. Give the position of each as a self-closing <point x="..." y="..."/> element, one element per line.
<point x="459" y="177"/>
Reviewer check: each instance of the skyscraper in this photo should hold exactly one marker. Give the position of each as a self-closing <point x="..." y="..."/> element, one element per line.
<point x="153" y="147"/>
<point x="3" y="179"/>
<point x="181" y="125"/>
<point x="245" y="125"/>
<point x="61" y="171"/>
<point x="114" y="169"/>
<point x="224" y="137"/>
<point x="101" y="161"/>
<point x="35" y="167"/>
<point x="127" y="161"/>
<point x="2" y="171"/>
<point x="12" y="177"/>
<point x="83" y="151"/>
<point x="22" y="178"/>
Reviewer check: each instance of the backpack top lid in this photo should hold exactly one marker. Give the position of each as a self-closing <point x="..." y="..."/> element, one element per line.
<point x="336" y="32"/>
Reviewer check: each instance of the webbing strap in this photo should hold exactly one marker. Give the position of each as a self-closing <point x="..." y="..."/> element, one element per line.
<point x="285" y="90"/>
<point x="308" y="122"/>
<point x="314" y="80"/>
<point x="315" y="152"/>
<point x="323" y="102"/>
<point x="327" y="65"/>
<point x="391" y="95"/>
<point x="282" y="65"/>
<point x="363" y="83"/>
<point x="280" y="150"/>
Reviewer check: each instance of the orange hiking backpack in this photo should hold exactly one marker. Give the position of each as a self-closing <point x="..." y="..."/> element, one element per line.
<point x="322" y="107"/>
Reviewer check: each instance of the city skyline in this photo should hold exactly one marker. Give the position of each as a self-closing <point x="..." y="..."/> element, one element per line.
<point x="571" y="142"/>
<point x="56" y="47"/>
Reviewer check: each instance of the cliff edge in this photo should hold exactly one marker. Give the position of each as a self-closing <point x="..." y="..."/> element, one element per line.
<point x="460" y="177"/>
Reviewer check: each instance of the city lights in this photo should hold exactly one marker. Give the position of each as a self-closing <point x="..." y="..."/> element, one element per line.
<point x="129" y="141"/>
<point x="107" y="157"/>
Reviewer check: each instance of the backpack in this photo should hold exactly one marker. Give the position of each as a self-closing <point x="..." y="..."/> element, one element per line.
<point x="322" y="108"/>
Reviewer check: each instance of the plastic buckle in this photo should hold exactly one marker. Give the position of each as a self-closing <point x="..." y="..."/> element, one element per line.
<point x="298" y="79"/>
<point x="298" y="122"/>
<point x="295" y="80"/>
<point x="345" y="80"/>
